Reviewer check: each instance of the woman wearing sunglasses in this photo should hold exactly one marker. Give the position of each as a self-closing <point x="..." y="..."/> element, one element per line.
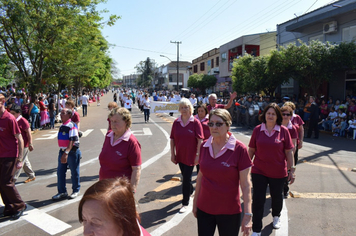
<point x="287" y="113"/>
<point x="271" y="149"/>
<point x="224" y="167"/>
<point x="186" y="137"/>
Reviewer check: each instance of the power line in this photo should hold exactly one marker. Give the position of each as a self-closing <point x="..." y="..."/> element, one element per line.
<point x="144" y="50"/>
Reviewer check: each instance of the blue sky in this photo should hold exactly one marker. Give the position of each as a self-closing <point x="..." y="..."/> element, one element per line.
<point x="146" y="27"/>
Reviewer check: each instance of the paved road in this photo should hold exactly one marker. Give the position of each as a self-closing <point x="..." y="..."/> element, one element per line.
<point x="324" y="192"/>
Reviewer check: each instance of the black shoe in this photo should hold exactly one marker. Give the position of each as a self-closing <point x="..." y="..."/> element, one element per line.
<point x="285" y="195"/>
<point x="19" y="213"/>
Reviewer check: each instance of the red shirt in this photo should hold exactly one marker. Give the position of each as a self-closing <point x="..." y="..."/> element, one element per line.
<point x="75" y="117"/>
<point x="293" y="131"/>
<point x="24" y="126"/>
<point x="8" y="129"/>
<point x="117" y="159"/>
<point x="42" y="106"/>
<point x="270" y="158"/>
<point x="219" y="191"/>
<point x="209" y="107"/>
<point x="186" y="140"/>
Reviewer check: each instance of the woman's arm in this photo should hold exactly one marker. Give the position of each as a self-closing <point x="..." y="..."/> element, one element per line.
<point x="301" y="136"/>
<point x="135" y="177"/>
<point x="197" y="191"/>
<point x="29" y="110"/>
<point x="196" y="161"/>
<point x="294" y="141"/>
<point x="173" y="155"/>
<point x="251" y="153"/>
<point x="245" y="182"/>
<point x="290" y="165"/>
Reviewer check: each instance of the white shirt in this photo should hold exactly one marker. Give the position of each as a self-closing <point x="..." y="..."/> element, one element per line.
<point x="128" y="104"/>
<point x="332" y="115"/>
<point x="193" y="101"/>
<point x="84" y="99"/>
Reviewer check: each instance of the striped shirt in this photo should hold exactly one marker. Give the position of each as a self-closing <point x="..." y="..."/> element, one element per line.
<point x="68" y="132"/>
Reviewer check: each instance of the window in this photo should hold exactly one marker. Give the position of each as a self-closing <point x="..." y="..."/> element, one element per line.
<point x="217" y="61"/>
<point x="202" y="66"/>
<point x="173" y="78"/>
<point x="212" y="63"/>
<point x="318" y="37"/>
<point x="223" y="57"/>
<point x="195" y="69"/>
<point x="349" y="33"/>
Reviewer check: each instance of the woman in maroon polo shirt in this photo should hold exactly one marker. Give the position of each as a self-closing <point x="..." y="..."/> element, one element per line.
<point x="271" y="149"/>
<point x="225" y="166"/>
<point x="203" y="117"/>
<point x="287" y="113"/>
<point x="121" y="152"/>
<point x="186" y="138"/>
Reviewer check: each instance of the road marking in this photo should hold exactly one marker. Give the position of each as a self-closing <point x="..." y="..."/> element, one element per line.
<point x="173" y="222"/>
<point x="324" y="195"/>
<point x="50" y="136"/>
<point x="283" y="231"/>
<point x="166" y="149"/>
<point x="104" y="131"/>
<point x="146" y="131"/>
<point x="326" y="166"/>
<point x="87" y="132"/>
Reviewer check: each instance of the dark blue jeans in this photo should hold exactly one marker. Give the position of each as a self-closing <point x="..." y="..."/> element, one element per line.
<point x="73" y="161"/>
<point x="146" y="114"/>
<point x="33" y="121"/>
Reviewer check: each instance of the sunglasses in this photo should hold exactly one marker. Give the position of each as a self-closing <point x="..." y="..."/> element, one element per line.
<point x="286" y="114"/>
<point x="217" y="124"/>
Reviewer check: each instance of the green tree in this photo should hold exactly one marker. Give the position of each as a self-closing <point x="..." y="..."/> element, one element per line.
<point x="313" y="64"/>
<point x="193" y="81"/>
<point x="6" y="71"/>
<point x="31" y="31"/>
<point x="146" y="70"/>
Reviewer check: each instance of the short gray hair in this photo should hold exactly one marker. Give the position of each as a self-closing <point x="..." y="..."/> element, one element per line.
<point x="213" y="95"/>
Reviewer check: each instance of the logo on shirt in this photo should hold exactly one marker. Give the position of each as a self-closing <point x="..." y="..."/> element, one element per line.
<point x="225" y="164"/>
<point x="277" y="140"/>
<point x="118" y="153"/>
<point x="2" y="129"/>
<point x="191" y="131"/>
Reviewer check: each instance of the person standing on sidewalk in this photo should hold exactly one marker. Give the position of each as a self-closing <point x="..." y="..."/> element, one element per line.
<point x="27" y="140"/>
<point x="69" y="155"/>
<point x="313" y="118"/>
<point x="11" y="146"/>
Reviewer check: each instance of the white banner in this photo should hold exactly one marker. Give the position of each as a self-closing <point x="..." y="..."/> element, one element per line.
<point x="163" y="107"/>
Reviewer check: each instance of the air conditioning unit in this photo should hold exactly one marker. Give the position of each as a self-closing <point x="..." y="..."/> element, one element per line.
<point x="330" y="27"/>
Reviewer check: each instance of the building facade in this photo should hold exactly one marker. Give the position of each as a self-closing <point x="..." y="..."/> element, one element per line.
<point x="167" y="75"/>
<point x="129" y="81"/>
<point x="334" y="23"/>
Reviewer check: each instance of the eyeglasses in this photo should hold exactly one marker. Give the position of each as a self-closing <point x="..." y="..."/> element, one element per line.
<point x="286" y="114"/>
<point x="217" y="124"/>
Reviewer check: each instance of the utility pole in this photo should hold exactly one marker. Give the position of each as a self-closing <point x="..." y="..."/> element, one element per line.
<point x="176" y="42"/>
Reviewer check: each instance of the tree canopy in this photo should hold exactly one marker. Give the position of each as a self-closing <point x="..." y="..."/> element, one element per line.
<point x="52" y="41"/>
<point x="201" y="81"/>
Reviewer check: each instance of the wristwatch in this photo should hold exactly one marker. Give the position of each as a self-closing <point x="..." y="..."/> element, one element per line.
<point x="66" y="152"/>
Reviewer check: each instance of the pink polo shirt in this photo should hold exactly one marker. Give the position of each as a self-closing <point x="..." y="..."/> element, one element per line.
<point x="270" y="158"/>
<point x="186" y="139"/>
<point x="204" y="123"/>
<point x="219" y="191"/>
<point x="117" y="158"/>
<point x="8" y="129"/>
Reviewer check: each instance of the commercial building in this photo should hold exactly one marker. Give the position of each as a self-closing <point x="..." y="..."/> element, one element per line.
<point x="167" y="75"/>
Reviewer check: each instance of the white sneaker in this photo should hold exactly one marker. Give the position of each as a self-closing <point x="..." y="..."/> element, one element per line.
<point x="183" y="209"/>
<point x="256" y="234"/>
<point x="74" y="195"/>
<point x="276" y="222"/>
